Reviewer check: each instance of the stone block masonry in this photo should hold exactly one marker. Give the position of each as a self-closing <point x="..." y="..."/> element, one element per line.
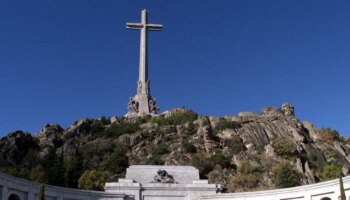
<point x="153" y="182"/>
<point x="181" y="174"/>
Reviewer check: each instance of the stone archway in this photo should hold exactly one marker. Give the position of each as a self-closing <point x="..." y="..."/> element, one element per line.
<point x="14" y="197"/>
<point x="326" y="198"/>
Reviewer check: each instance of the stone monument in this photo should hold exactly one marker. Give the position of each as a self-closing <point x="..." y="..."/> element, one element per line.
<point x="156" y="182"/>
<point x="143" y="103"/>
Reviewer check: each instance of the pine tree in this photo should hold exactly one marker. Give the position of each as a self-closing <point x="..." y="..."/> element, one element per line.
<point x="74" y="169"/>
<point x="342" y="191"/>
<point x="42" y="192"/>
<point x="56" y="169"/>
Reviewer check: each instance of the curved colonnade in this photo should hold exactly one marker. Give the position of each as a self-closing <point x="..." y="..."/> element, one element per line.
<point x="12" y="188"/>
<point x="328" y="190"/>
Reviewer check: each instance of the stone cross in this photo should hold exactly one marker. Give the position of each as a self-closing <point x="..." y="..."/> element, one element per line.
<point x="143" y="103"/>
<point x="144" y="27"/>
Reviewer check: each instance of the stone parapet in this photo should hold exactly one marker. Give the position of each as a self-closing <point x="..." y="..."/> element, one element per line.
<point x="28" y="190"/>
<point x="317" y="191"/>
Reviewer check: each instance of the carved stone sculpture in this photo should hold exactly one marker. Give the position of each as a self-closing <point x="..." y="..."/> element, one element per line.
<point x="163" y="177"/>
<point x="139" y="87"/>
<point x="153" y="107"/>
<point x="133" y="105"/>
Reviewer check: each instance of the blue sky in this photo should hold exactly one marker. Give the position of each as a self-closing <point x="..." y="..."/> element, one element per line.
<point x="63" y="60"/>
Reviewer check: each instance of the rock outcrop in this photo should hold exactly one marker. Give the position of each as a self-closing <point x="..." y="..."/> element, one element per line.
<point x="181" y="137"/>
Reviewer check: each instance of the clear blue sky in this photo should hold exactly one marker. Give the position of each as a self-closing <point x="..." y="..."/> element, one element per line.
<point x="63" y="60"/>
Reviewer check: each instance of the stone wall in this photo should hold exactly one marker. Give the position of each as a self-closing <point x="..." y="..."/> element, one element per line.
<point x="27" y="190"/>
<point x="317" y="191"/>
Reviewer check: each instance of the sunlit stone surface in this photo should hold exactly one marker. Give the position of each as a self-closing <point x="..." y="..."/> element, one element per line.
<point x="143" y="103"/>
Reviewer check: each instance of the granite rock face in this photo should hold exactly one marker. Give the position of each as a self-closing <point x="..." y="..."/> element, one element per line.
<point x="181" y="137"/>
<point x="51" y="135"/>
<point x="15" y="146"/>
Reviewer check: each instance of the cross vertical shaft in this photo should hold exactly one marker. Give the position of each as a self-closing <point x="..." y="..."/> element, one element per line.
<point x="143" y="68"/>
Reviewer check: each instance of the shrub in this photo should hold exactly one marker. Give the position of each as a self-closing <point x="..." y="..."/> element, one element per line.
<point x="38" y="174"/>
<point x="329" y="135"/>
<point x="203" y="163"/>
<point x="316" y="161"/>
<point x="122" y="127"/>
<point x="191" y="129"/>
<point x="161" y="120"/>
<point x="331" y="171"/>
<point x="247" y="176"/>
<point x="330" y="154"/>
<point x="156" y="158"/>
<point x="176" y="118"/>
<point x="188" y="147"/>
<point x="235" y="144"/>
<point x="116" y="162"/>
<point x="105" y="121"/>
<point x="284" y="147"/>
<point x="220" y="176"/>
<point x="160" y="150"/>
<point x="74" y="169"/>
<point x="91" y="180"/>
<point x="222" y="125"/>
<point x="54" y="167"/>
<point x="31" y="159"/>
<point x="220" y="159"/>
<point x="17" y="172"/>
<point x="285" y="176"/>
<point x="144" y="119"/>
<point x="97" y="127"/>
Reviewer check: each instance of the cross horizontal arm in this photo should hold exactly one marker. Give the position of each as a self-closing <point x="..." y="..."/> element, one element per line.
<point x="134" y="25"/>
<point x="154" y="27"/>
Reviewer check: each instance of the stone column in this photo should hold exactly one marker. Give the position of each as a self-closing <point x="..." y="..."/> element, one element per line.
<point x="31" y="195"/>
<point x="4" y="192"/>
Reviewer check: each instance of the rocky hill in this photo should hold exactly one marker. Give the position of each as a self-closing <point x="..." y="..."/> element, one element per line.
<point x="242" y="153"/>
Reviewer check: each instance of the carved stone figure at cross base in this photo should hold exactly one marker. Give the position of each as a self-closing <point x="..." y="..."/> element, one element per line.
<point x="163" y="177"/>
<point x="133" y="106"/>
<point x="153" y="107"/>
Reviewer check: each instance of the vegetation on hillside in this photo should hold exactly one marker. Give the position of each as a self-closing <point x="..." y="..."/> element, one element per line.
<point x="284" y="148"/>
<point x="247" y="177"/>
<point x="329" y="135"/>
<point x="285" y="176"/>
<point x="241" y="154"/>
<point x="331" y="171"/>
